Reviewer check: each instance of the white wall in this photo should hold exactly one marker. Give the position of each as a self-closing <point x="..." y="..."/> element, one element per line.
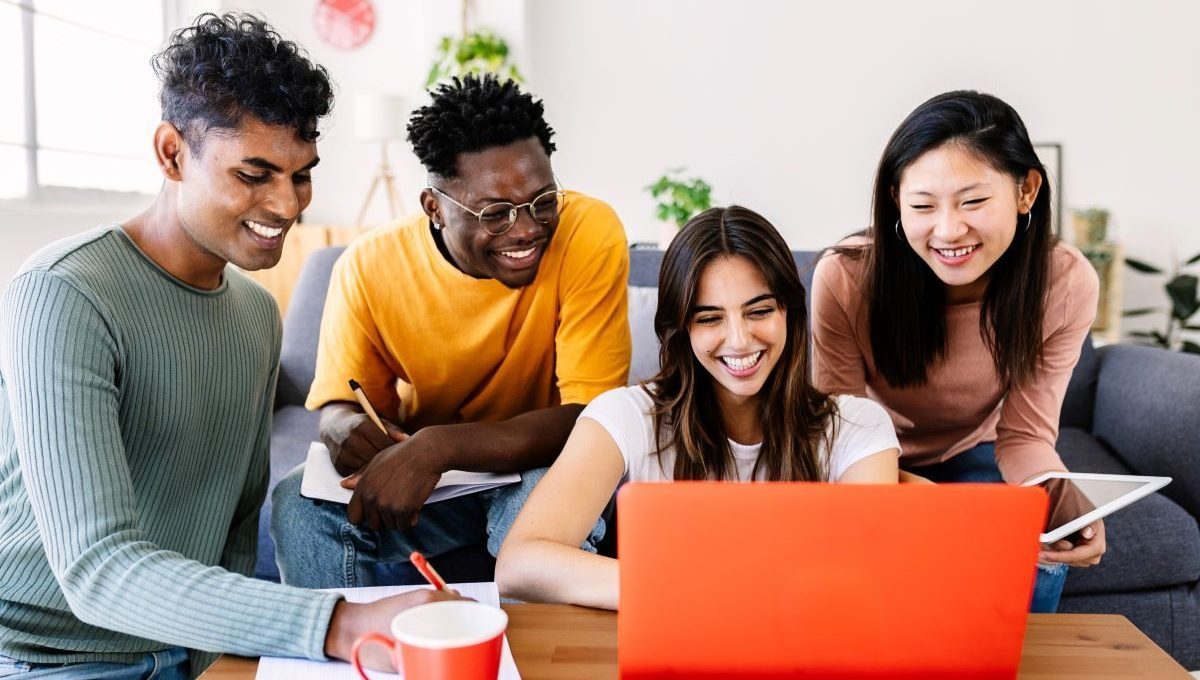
<point x="785" y="106"/>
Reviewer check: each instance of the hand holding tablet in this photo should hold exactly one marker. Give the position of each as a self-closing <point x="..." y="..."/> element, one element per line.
<point x="1078" y="499"/>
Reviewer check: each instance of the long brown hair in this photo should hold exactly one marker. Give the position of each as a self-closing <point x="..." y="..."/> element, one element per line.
<point x="907" y="302"/>
<point x="795" y="415"/>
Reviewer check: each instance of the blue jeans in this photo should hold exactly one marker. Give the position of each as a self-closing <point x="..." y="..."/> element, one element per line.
<point x="978" y="464"/>
<point x="316" y="546"/>
<point x="169" y="664"/>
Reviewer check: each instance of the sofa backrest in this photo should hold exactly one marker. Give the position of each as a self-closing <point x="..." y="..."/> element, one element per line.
<point x="302" y="326"/>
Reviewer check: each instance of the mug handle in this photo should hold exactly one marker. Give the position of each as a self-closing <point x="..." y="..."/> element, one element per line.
<point x="369" y="637"/>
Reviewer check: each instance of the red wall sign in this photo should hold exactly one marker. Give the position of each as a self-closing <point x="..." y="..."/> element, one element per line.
<point x="345" y="24"/>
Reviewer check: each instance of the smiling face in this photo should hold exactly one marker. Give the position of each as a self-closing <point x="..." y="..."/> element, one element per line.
<point x="239" y="196"/>
<point x="515" y="173"/>
<point x="960" y="215"/>
<point x="737" y="328"/>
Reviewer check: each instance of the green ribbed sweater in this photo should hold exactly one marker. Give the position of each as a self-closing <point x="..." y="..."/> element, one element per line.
<point x="134" y="431"/>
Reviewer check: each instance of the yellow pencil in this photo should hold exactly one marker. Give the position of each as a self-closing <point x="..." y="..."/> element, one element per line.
<point x="366" y="405"/>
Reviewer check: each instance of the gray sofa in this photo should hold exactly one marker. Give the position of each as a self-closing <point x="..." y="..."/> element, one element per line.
<point x="1128" y="410"/>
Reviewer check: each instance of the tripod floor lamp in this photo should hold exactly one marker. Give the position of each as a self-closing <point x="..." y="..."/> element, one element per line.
<point x="380" y="118"/>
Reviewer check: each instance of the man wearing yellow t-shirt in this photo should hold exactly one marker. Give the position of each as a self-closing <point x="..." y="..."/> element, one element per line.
<point x="478" y="331"/>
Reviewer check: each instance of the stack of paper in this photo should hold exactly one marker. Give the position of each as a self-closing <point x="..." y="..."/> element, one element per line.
<point x="274" y="668"/>
<point x="323" y="483"/>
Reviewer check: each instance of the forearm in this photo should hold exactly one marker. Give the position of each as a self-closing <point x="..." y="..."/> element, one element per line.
<point x="540" y="570"/>
<point x="530" y="440"/>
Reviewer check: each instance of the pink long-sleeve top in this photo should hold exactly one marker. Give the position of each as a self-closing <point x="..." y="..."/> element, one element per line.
<point x="962" y="403"/>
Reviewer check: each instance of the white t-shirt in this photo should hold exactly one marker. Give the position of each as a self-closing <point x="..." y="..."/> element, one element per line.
<point x="864" y="429"/>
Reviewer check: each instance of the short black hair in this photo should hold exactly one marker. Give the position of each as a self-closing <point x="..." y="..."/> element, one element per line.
<point x="473" y="114"/>
<point x="222" y="68"/>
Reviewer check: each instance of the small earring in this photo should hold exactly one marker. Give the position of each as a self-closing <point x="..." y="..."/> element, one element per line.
<point x="437" y="226"/>
<point x="898" y="234"/>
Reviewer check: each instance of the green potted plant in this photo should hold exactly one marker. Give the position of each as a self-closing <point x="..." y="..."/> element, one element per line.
<point x="1182" y="289"/>
<point x="476" y="52"/>
<point x="1091" y="226"/>
<point x="677" y="199"/>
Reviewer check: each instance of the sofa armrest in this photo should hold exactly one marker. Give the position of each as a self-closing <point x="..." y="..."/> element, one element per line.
<point x="1148" y="411"/>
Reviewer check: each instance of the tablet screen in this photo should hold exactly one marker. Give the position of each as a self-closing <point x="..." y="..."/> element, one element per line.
<point x="1071" y="499"/>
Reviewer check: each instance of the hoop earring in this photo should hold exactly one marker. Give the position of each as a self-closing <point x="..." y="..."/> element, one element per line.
<point x="898" y="234"/>
<point x="1029" y="221"/>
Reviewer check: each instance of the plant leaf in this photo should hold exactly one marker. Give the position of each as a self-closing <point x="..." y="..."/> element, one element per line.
<point x="1141" y="311"/>
<point x="1141" y="334"/>
<point x="1190" y="347"/>
<point x="1193" y="259"/>
<point x="1182" y="291"/>
<point x="1142" y="266"/>
<point x="1191" y="328"/>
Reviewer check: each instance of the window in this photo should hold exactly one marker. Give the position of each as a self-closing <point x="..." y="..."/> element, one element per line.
<point x="88" y="82"/>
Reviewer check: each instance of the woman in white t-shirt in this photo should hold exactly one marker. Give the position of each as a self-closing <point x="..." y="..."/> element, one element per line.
<point x="733" y="401"/>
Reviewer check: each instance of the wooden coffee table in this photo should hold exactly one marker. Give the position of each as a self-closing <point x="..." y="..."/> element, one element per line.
<point x="561" y="642"/>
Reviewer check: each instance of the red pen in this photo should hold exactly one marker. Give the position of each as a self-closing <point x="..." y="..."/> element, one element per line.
<point x="418" y="560"/>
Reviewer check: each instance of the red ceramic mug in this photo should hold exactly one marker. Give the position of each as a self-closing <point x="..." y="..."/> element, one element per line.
<point x="452" y="640"/>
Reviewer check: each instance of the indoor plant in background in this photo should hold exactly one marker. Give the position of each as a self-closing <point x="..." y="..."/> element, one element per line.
<point x="676" y="200"/>
<point x="1183" y="295"/>
<point x="475" y="52"/>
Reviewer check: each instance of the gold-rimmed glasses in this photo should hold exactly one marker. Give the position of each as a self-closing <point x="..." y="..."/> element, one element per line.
<point x="497" y="218"/>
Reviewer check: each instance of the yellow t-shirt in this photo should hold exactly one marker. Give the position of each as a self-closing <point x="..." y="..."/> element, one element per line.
<point x="431" y="345"/>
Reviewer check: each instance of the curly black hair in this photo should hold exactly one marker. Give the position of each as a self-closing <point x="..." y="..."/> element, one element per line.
<point x="221" y="68"/>
<point x="473" y="114"/>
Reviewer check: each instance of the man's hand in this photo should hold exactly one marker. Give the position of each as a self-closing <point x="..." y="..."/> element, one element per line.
<point x="353" y="439"/>
<point x="394" y="486"/>
<point x="351" y="621"/>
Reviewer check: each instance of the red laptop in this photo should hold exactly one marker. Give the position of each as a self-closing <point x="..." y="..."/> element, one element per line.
<point x="776" y="580"/>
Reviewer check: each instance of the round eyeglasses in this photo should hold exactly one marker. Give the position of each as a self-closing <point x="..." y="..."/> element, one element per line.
<point x="498" y="218"/>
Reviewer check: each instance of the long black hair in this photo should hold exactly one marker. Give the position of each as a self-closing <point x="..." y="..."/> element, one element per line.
<point x="907" y="302"/>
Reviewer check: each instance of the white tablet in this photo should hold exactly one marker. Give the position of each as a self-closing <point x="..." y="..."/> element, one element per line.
<point x="1087" y="497"/>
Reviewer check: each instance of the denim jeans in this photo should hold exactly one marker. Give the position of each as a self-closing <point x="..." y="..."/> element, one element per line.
<point x="316" y="546"/>
<point x="169" y="664"/>
<point x="978" y="464"/>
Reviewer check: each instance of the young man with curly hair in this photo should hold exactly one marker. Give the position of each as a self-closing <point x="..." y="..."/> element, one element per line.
<point x="478" y="329"/>
<point x="139" y="375"/>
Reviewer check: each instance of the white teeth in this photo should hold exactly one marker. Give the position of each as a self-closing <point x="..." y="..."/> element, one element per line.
<point x="518" y="254"/>
<point x="955" y="252"/>
<point x="264" y="231"/>
<point x="742" y="363"/>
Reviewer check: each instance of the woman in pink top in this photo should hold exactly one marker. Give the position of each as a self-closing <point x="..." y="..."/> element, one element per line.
<point x="960" y="310"/>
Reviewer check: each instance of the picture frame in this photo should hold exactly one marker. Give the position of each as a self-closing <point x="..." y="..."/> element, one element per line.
<point x="1051" y="155"/>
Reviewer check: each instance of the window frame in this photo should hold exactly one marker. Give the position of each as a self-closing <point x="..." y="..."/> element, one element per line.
<point x="72" y="199"/>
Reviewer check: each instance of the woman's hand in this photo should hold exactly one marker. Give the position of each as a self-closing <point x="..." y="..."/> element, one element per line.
<point x="1086" y="553"/>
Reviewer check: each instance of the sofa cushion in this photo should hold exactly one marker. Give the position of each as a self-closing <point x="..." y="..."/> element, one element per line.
<point x="1147" y="413"/>
<point x="292" y="430"/>
<point x="1151" y="543"/>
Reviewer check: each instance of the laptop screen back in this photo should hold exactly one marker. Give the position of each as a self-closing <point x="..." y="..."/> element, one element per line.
<point x="722" y="580"/>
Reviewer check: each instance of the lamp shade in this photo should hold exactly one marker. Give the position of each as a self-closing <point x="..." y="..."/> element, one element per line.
<point x="379" y="117"/>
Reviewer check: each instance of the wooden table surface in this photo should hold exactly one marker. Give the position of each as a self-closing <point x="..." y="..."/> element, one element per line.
<point x="560" y="642"/>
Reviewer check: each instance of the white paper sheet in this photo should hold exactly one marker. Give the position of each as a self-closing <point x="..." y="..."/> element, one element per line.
<point x="274" y="668"/>
<point x="322" y="481"/>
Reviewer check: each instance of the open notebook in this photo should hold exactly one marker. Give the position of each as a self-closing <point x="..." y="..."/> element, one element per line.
<point x="274" y="668"/>
<point x="323" y="483"/>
